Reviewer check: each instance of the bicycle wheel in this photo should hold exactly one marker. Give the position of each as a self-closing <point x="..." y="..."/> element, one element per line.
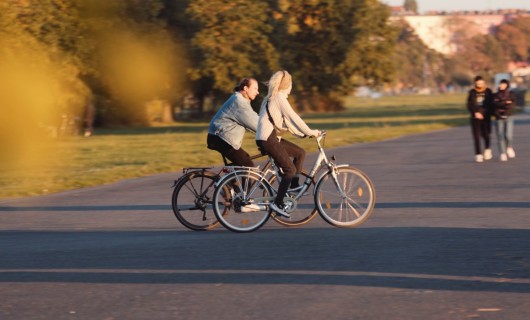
<point x="353" y="205"/>
<point x="192" y="200"/>
<point x="241" y="201"/>
<point x="305" y="210"/>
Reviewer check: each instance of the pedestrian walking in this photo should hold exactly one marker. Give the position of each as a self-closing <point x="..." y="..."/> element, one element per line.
<point x="479" y="105"/>
<point x="503" y="107"/>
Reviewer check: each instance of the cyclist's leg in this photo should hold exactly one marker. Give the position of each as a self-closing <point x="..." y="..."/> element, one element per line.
<point x="281" y="158"/>
<point x="296" y="152"/>
<point x="298" y="155"/>
<point x="246" y="211"/>
<point x="237" y="157"/>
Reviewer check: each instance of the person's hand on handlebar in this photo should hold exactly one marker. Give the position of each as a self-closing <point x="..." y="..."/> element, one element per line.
<point x="317" y="133"/>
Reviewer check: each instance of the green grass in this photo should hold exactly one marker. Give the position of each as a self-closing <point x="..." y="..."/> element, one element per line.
<point x="112" y="155"/>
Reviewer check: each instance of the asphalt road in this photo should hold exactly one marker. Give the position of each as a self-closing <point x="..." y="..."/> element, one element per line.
<point x="449" y="239"/>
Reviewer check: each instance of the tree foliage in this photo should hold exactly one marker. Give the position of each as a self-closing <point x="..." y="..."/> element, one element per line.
<point x="523" y="24"/>
<point x="122" y="54"/>
<point x="514" y="42"/>
<point x="417" y="65"/>
<point x="233" y="41"/>
<point x="332" y="46"/>
<point x="411" y="5"/>
<point x="116" y="53"/>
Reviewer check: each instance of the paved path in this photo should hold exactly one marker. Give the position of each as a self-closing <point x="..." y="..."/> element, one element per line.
<point x="449" y="239"/>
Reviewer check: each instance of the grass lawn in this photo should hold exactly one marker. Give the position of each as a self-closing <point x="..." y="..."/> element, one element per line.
<point x="111" y="155"/>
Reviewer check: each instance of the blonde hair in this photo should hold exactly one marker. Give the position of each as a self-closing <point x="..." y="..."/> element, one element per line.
<point x="280" y="81"/>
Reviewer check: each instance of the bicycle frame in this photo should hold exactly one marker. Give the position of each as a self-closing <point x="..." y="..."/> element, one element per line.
<point x="344" y="196"/>
<point x="189" y="170"/>
<point x="321" y="161"/>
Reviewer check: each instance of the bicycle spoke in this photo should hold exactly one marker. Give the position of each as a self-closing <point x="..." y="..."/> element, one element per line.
<point x="346" y="200"/>
<point x="242" y="214"/>
<point x="192" y="203"/>
<point x="305" y="205"/>
<point x="353" y="209"/>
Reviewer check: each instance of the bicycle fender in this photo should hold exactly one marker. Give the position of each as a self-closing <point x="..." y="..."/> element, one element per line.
<point x="233" y="173"/>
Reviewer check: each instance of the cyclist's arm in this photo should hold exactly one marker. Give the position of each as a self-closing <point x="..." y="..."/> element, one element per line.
<point x="292" y="118"/>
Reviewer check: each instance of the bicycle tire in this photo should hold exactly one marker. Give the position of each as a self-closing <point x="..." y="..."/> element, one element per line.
<point x="300" y="216"/>
<point x="351" y="210"/>
<point x="192" y="200"/>
<point x="235" y="192"/>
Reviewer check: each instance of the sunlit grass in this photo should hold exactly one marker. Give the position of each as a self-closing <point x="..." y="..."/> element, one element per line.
<point x="112" y="155"/>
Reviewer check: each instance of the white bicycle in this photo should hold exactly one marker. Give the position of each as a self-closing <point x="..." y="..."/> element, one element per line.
<point x="343" y="195"/>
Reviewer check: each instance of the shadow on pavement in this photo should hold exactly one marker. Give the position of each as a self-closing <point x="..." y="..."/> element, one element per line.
<point x="165" y="207"/>
<point x="460" y="259"/>
<point x="123" y="207"/>
<point x="463" y="205"/>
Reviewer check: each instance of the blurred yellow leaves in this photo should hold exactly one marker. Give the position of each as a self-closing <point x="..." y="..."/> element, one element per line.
<point x="138" y="67"/>
<point x="36" y="87"/>
<point x="44" y="66"/>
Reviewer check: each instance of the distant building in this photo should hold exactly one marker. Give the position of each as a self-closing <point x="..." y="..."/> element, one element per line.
<point x="441" y="30"/>
<point x="401" y="11"/>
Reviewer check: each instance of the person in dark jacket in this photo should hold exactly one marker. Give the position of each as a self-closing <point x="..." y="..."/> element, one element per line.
<point x="479" y="104"/>
<point x="503" y="107"/>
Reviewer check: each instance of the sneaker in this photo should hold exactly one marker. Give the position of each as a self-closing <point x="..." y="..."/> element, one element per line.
<point x="510" y="152"/>
<point x="479" y="158"/>
<point x="252" y="208"/>
<point x="504" y="157"/>
<point x="279" y="210"/>
<point x="487" y="154"/>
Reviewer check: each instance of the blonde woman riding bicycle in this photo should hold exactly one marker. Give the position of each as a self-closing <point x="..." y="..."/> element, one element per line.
<point x="276" y="118"/>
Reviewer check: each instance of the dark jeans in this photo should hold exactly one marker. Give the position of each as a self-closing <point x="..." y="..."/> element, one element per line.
<point x="237" y="157"/>
<point x="281" y="153"/>
<point x="481" y="128"/>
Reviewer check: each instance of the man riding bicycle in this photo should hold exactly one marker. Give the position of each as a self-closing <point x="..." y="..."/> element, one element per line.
<point x="227" y="128"/>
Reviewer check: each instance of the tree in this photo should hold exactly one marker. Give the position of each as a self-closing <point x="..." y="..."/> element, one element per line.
<point x="332" y="46"/>
<point x="39" y="81"/>
<point x="483" y="54"/>
<point x="417" y="65"/>
<point x="411" y="5"/>
<point x="514" y="42"/>
<point x="40" y="41"/>
<point x="117" y="53"/>
<point x="136" y="57"/>
<point x="232" y="42"/>
<point x="522" y="23"/>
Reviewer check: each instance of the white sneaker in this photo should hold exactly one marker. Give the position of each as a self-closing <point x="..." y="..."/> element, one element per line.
<point x="252" y="208"/>
<point x="487" y="154"/>
<point x="510" y="152"/>
<point x="504" y="157"/>
<point x="479" y="158"/>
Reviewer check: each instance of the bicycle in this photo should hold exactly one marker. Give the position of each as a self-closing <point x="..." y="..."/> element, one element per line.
<point x="343" y="195"/>
<point x="193" y="193"/>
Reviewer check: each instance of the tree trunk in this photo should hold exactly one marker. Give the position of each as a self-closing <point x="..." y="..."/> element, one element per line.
<point x="167" y="112"/>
